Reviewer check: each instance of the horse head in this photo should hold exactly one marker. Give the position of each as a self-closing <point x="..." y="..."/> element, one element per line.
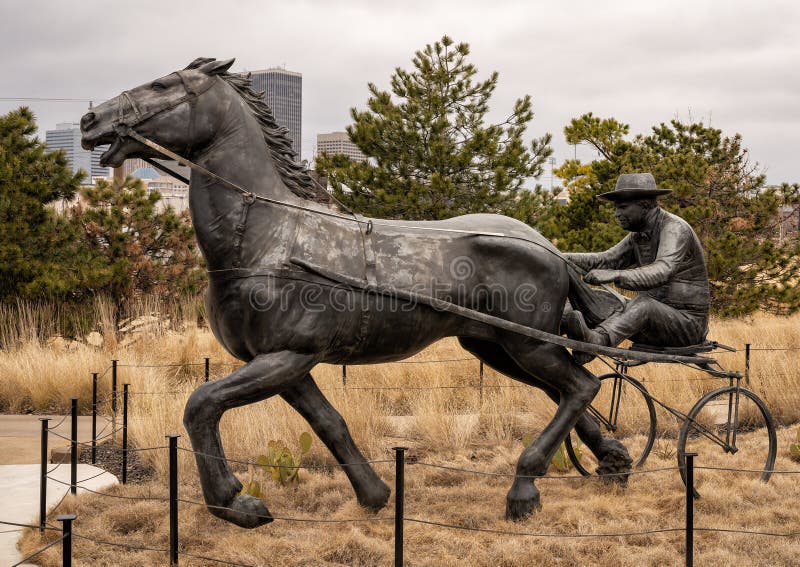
<point x="169" y="111"/>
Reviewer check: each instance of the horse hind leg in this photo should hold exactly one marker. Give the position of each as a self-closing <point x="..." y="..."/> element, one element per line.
<point x="330" y="427"/>
<point x="611" y="454"/>
<point x="264" y="376"/>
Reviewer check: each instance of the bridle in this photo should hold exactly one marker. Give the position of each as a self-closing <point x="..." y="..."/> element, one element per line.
<point x="124" y="125"/>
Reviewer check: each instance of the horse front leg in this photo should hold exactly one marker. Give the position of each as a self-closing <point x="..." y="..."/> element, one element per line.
<point x="576" y="388"/>
<point x="264" y="376"/>
<point x="331" y="428"/>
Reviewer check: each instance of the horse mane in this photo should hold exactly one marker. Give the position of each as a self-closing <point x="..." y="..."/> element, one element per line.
<point x="293" y="173"/>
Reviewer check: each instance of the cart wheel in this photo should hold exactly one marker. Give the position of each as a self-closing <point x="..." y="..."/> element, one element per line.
<point x="724" y="437"/>
<point x="622" y="408"/>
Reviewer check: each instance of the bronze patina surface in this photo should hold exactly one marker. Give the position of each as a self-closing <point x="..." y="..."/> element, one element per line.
<point x="282" y="319"/>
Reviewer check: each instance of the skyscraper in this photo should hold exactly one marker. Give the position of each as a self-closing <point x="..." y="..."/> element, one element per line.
<point x="339" y="143"/>
<point x="283" y="92"/>
<point x="67" y="137"/>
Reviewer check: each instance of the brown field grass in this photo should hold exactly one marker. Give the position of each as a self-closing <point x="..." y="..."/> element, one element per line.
<point x="571" y="506"/>
<point x="441" y="424"/>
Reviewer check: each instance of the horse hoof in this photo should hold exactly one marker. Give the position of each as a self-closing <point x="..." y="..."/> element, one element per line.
<point x="615" y="464"/>
<point x="375" y="498"/>
<point x="521" y="506"/>
<point x="245" y="511"/>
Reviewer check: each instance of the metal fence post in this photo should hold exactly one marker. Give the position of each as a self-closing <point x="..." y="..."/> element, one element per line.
<point x="114" y="400"/>
<point x="66" y="543"/>
<point x="114" y="390"/>
<point x="344" y="376"/>
<point x="690" y="508"/>
<point x="208" y="368"/>
<point x="73" y="453"/>
<point x="399" y="497"/>
<point x="125" y="433"/>
<point x="94" y="418"/>
<point x="43" y="480"/>
<point x="173" y="499"/>
<point x="747" y="363"/>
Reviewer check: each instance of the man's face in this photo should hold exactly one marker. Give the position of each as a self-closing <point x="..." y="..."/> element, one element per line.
<point x="631" y="215"/>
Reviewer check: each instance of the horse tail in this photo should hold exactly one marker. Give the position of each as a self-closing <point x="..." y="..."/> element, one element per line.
<point x="595" y="304"/>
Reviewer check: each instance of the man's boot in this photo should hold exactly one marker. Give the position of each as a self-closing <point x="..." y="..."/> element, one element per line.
<point x="578" y="330"/>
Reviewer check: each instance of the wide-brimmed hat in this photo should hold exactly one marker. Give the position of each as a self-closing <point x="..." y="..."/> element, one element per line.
<point x="632" y="186"/>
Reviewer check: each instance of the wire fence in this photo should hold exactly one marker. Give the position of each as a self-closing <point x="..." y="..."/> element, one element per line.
<point x="39" y="551"/>
<point x="399" y="519"/>
<point x="480" y="385"/>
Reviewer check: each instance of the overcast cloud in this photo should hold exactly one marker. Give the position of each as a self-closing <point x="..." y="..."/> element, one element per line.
<point x="733" y="63"/>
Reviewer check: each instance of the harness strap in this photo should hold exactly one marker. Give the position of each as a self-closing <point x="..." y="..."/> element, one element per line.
<point x="370" y="263"/>
<point x="193" y="94"/>
<point x="127" y="96"/>
<point x="238" y="232"/>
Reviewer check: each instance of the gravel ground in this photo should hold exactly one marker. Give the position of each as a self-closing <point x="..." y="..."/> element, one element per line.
<point x="109" y="457"/>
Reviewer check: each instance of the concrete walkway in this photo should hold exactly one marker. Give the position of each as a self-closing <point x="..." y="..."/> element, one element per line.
<point x="20" y="436"/>
<point x="19" y="474"/>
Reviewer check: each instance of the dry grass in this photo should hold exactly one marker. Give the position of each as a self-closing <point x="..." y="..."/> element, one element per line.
<point x="651" y="501"/>
<point x="441" y="423"/>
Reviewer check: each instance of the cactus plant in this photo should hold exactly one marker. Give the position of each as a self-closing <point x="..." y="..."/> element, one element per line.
<point x="794" y="448"/>
<point x="252" y="486"/>
<point x="561" y="461"/>
<point x="279" y="463"/>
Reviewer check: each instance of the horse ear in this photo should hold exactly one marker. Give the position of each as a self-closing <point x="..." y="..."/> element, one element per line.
<point x="214" y="67"/>
<point x="200" y="61"/>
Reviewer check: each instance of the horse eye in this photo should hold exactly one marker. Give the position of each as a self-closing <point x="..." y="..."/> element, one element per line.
<point x="158" y="86"/>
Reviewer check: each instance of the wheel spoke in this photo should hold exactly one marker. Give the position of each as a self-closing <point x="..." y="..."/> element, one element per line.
<point x="599" y="417"/>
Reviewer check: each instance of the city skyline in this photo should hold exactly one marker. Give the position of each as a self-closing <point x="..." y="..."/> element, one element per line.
<point x="732" y="64"/>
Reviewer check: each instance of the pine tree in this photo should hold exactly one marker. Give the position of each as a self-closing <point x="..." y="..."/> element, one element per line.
<point x="31" y="234"/>
<point x="431" y="153"/>
<point x="715" y="188"/>
<point x="131" y="247"/>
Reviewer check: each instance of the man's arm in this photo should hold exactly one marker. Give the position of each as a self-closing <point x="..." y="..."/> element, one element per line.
<point x="673" y="245"/>
<point x="617" y="257"/>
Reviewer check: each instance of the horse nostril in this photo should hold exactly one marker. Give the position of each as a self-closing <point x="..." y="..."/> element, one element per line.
<point x="87" y="120"/>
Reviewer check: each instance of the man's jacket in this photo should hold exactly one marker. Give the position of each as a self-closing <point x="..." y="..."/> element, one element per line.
<point x="664" y="261"/>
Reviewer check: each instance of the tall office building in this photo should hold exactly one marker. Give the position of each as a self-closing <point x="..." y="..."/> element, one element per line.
<point x="67" y="137"/>
<point x="283" y="92"/>
<point x="339" y="143"/>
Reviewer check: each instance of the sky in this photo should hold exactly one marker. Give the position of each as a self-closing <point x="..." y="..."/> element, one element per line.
<point x="734" y="64"/>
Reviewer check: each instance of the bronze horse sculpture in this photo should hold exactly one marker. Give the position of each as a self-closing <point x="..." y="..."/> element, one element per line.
<point x="273" y="303"/>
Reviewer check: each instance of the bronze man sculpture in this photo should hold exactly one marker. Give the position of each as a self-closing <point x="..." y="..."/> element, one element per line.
<point x="662" y="259"/>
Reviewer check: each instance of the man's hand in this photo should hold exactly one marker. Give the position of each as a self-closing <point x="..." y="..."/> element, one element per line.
<point x="597" y="277"/>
